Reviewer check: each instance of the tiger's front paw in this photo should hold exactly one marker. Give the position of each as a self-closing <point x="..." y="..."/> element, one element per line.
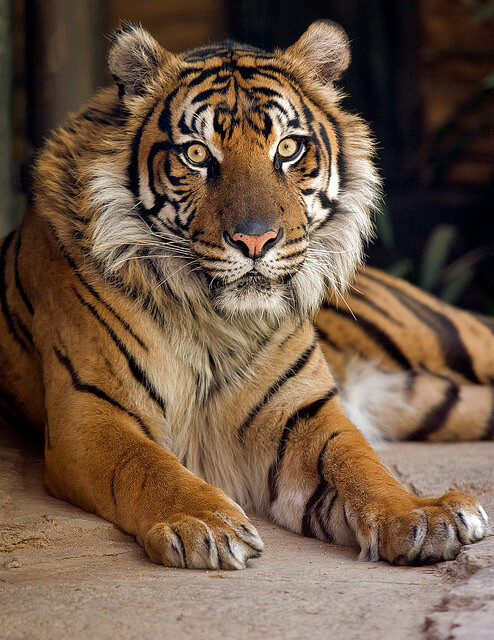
<point x="219" y="537"/>
<point x="430" y="530"/>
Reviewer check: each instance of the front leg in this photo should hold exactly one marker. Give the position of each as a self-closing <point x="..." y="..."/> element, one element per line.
<point x="327" y="482"/>
<point x="101" y="457"/>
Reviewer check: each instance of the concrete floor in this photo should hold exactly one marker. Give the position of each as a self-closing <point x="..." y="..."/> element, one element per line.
<point x="65" y="573"/>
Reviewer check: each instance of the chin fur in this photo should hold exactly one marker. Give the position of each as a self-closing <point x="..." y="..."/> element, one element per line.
<point x="253" y="296"/>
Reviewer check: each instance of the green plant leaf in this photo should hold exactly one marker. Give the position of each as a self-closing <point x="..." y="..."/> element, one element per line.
<point x="465" y="262"/>
<point x="384" y="228"/>
<point x="401" y="268"/>
<point x="453" y="289"/>
<point x="488" y="302"/>
<point x="436" y="252"/>
<point x="483" y="13"/>
<point x="488" y="81"/>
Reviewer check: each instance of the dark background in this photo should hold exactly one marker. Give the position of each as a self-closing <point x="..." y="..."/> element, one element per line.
<point x="422" y="74"/>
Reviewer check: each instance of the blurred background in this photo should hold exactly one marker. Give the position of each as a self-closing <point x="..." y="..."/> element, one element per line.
<point x="422" y="74"/>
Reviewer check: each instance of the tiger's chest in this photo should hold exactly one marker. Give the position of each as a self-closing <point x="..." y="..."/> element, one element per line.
<point x="206" y="380"/>
<point x="210" y="380"/>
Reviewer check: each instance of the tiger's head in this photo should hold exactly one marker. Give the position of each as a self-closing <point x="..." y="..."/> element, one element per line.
<point x="235" y="179"/>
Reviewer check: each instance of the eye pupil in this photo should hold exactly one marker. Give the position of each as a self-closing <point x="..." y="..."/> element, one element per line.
<point x="197" y="153"/>
<point x="288" y="147"/>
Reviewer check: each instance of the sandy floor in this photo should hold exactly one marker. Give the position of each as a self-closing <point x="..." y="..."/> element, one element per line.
<point x="68" y="574"/>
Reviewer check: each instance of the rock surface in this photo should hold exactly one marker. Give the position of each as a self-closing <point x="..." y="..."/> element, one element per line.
<point x="65" y="573"/>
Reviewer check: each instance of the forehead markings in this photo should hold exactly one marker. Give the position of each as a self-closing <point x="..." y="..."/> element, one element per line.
<point x="250" y="64"/>
<point x="221" y="72"/>
<point x="228" y="88"/>
<point x="243" y="103"/>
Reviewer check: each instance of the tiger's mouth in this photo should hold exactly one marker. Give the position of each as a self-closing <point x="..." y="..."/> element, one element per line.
<point x="251" y="282"/>
<point x="254" y="281"/>
<point x="251" y="293"/>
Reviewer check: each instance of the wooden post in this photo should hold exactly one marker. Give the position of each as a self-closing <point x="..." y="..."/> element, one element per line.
<point x="6" y="198"/>
<point x="65" y="61"/>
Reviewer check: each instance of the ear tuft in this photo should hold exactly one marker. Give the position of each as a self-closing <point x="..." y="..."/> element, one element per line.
<point x="324" y="48"/>
<point x="134" y="58"/>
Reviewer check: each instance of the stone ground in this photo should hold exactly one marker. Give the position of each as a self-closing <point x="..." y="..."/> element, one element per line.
<point x="65" y="573"/>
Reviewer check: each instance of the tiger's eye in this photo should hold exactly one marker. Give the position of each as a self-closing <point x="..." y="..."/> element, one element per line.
<point x="288" y="147"/>
<point x="197" y="153"/>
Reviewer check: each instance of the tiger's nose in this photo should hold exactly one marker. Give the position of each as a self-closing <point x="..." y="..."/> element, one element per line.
<point x="253" y="238"/>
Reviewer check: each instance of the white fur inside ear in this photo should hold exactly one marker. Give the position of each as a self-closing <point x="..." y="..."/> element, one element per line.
<point x="134" y="58"/>
<point x="325" y="49"/>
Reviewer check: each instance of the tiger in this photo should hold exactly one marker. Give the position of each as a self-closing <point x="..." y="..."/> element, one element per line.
<point x="186" y="318"/>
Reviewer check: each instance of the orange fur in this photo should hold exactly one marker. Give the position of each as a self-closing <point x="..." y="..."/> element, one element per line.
<point x="163" y="359"/>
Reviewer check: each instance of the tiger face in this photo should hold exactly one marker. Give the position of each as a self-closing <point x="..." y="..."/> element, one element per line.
<point x="246" y="186"/>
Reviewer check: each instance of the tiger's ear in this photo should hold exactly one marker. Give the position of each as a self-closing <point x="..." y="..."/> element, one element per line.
<point x="134" y="59"/>
<point x="324" y="48"/>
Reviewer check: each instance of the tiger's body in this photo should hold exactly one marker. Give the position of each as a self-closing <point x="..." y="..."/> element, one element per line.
<point x="186" y="230"/>
<point x="409" y="366"/>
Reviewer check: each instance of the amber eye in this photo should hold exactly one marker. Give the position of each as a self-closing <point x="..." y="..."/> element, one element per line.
<point x="197" y="153"/>
<point x="288" y="148"/>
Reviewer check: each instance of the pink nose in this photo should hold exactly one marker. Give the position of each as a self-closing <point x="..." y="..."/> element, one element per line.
<point x="254" y="244"/>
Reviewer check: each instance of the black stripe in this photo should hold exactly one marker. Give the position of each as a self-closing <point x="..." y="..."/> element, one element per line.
<point x="138" y="373"/>
<point x="98" y="297"/>
<point x="123" y="462"/>
<point x="294" y="332"/>
<point x="10" y="317"/>
<point x="292" y="371"/>
<point x="324" y="336"/>
<point x="207" y="93"/>
<point x="367" y="300"/>
<point x="456" y="354"/>
<point x="205" y="74"/>
<point x="323" y="520"/>
<point x="18" y="283"/>
<point x="324" y="137"/>
<point x="323" y="198"/>
<point x="28" y="337"/>
<point x="322" y="487"/>
<point x="489" y="427"/>
<point x="438" y="415"/>
<point x="295" y="240"/>
<point x="295" y="254"/>
<point x="376" y="334"/>
<point x="225" y="48"/>
<point x="246" y="364"/>
<point x="206" y="258"/>
<point x="325" y="204"/>
<point x="164" y="146"/>
<point x="133" y="168"/>
<point x="112" y="488"/>
<point x="3" y="285"/>
<point x="305" y="413"/>
<point x="96" y="391"/>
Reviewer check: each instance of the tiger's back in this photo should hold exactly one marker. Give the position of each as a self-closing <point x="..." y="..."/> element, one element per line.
<point x="410" y="366"/>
